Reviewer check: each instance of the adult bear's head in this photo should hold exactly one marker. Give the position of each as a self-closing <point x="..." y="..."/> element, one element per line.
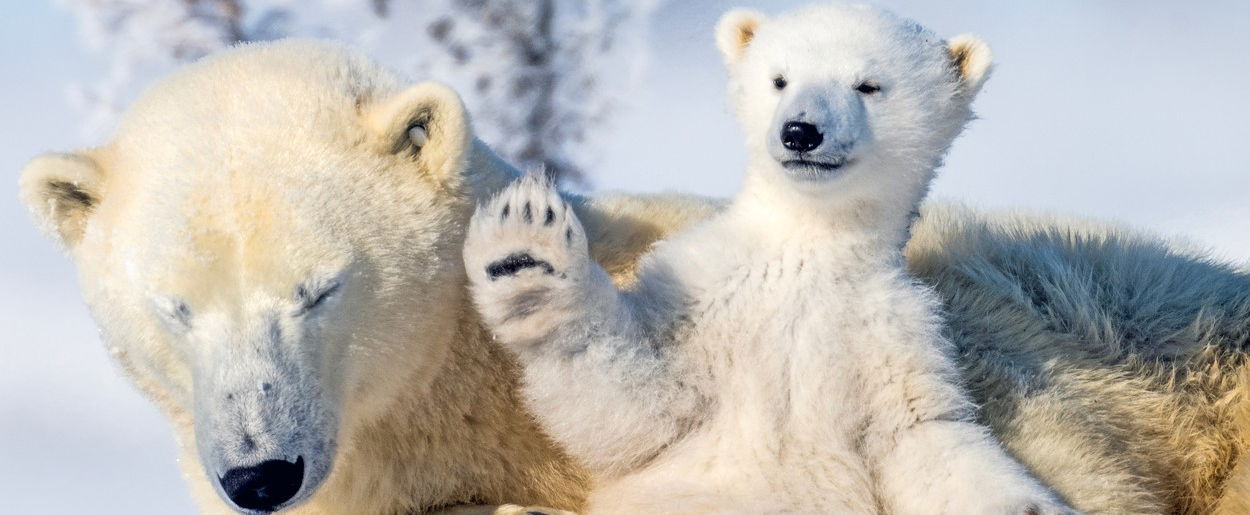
<point x="263" y="241"/>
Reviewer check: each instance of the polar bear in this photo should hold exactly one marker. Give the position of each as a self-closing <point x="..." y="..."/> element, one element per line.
<point x="271" y="246"/>
<point x="776" y="358"/>
<point x="1108" y="361"/>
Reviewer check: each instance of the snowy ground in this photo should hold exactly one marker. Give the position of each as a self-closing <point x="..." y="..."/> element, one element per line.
<point x="1124" y="111"/>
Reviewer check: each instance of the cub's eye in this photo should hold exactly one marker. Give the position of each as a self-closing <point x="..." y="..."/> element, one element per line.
<point x="311" y="298"/>
<point x="779" y="82"/>
<point x="868" y="87"/>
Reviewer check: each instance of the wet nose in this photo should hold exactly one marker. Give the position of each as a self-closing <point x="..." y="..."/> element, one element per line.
<point x="800" y="136"/>
<point x="264" y="487"/>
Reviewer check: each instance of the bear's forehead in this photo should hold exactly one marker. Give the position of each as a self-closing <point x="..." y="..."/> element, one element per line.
<point x="214" y="246"/>
<point x="271" y="134"/>
<point x="289" y="89"/>
<point x="850" y="31"/>
<point x="222" y="219"/>
<point x="244" y="172"/>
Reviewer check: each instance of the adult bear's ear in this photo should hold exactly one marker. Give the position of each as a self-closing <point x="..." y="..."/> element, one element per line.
<point x="734" y="33"/>
<point x="61" y="191"/>
<point x="972" y="61"/>
<point x="428" y="124"/>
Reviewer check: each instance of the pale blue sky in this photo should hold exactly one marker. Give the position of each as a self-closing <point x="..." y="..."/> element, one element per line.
<point x="1129" y="111"/>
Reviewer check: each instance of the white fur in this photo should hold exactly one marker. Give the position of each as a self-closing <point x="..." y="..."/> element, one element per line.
<point x="776" y="358"/>
<point x="241" y="189"/>
<point x="1108" y="361"/>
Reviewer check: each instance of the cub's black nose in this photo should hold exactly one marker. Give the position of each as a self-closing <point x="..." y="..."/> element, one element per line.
<point x="800" y="136"/>
<point x="266" y="486"/>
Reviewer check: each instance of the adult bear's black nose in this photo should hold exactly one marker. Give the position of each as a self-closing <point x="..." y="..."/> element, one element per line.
<point x="800" y="136"/>
<point x="266" y="486"/>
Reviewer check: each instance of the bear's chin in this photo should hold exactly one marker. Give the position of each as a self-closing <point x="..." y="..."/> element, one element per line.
<point x="806" y="170"/>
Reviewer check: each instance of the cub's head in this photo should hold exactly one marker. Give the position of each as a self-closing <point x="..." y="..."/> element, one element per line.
<point x="831" y="94"/>
<point x="271" y="246"/>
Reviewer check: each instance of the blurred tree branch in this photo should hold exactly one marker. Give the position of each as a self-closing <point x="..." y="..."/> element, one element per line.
<point x="542" y="76"/>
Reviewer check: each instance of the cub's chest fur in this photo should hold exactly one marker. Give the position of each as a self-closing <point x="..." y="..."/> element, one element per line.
<point x="789" y="323"/>
<point x="789" y="296"/>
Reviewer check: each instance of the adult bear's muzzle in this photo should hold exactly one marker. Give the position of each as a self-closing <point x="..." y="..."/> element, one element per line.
<point x="264" y="487"/>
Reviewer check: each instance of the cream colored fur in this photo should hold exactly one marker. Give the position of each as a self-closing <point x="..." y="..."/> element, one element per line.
<point x="775" y="358"/>
<point x="1107" y="361"/>
<point x="1111" y="362"/>
<point x="242" y="189"/>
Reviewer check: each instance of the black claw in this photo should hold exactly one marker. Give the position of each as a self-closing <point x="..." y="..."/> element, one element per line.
<point x="550" y="216"/>
<point x="514" y="263"/>
<point x="506" y="208"/>
<point x="527" y="214"/>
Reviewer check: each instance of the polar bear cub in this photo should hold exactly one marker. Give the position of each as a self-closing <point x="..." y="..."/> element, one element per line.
<point x="776" y="358"/>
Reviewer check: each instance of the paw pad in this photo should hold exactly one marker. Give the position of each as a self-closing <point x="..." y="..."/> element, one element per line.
<point x="527" y="226"/>
<point x="514" y="263"/>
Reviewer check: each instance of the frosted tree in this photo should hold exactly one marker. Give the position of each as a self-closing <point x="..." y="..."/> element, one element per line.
<point x="143" y="38"/>
<point x="544" y="71"/>
<point x="541" y="76"/>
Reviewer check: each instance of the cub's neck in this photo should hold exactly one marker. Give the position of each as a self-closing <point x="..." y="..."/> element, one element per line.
<point x="871" y="218"/>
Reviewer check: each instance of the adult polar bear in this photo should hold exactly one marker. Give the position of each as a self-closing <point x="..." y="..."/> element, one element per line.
<point x="271" y="246"/>
<point x="272" y="256"/>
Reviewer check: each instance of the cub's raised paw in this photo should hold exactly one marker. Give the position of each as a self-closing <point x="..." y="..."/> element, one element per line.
<point x="526" y="230"/>
<point x="526" y="258"/>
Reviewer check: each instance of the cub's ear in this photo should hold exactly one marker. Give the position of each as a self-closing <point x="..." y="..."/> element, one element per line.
<point x="972" y="60"/>
<point x="61" y="191"/>
<point x="734" y="33"/>
<point x="428" y="124"/>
